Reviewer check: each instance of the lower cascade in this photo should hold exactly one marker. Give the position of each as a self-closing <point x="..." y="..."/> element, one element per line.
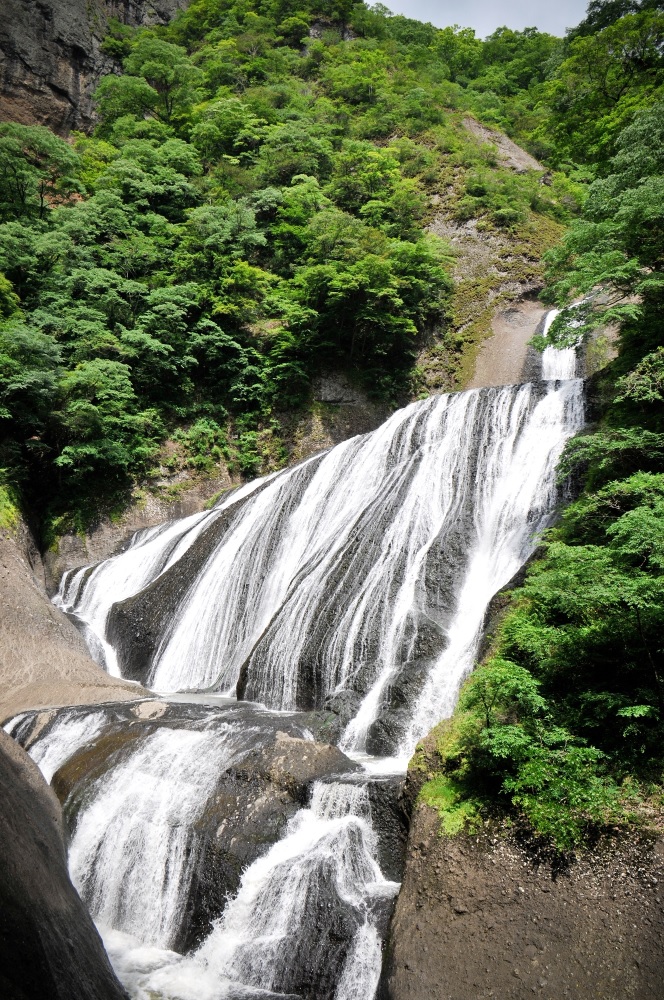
<point x="239" y="837"/>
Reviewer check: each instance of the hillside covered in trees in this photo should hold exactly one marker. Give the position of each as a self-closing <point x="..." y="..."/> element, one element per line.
<point x="563" y="725"/>
<point x="251" y="210"/>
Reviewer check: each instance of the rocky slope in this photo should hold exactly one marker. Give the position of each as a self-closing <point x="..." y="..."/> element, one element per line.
<point x="51" y="60"/>
<point x="497" y="915"/>
<point x="487" y="917"/>
<point x="48" y="944"/>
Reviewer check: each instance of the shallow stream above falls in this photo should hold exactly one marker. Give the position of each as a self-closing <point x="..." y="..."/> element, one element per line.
<point x="253" y="847"/>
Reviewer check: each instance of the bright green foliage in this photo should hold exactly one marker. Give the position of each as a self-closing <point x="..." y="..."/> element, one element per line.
<point x="250" y="212"/>
<point x="559" y="724"/>
<point x="37" y="170"/>
<point x="605" y="79"/>
<point x="618" y="246"/>
<point x="235" y="240"/>
<point x="205" y="443"/>
<point x="10" y="514"/>
<point x="100" y="423"/>
<point x="503" y="750"/>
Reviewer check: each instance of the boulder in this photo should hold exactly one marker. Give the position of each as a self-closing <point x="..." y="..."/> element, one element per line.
<point x="49" y="947"/>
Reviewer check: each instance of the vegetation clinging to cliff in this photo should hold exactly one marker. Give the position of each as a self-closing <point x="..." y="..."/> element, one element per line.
<point x="564" y="725"/>
<point x="250" y="211"/>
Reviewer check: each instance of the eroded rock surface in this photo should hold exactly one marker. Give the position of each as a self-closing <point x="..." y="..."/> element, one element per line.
<point x="484" y="917"/>
<point x="43" y="659"/>
<point x="51" y="60"/>
<point x="505" y="358"/>
<point x="49" y="947"/>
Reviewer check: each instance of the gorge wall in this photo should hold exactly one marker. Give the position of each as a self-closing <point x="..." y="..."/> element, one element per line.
<point x="486" y="916"/>
<point x="43" y="658"/>
<point x="48" y="944"/>
<point x="51" y="60"/>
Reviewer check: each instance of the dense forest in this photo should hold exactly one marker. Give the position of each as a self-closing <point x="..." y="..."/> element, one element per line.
<point x="252" y="211"/>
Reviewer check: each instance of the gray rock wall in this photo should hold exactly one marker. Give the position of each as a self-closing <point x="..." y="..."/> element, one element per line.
<point x="50" y="56"/>
<point x="49" y="947"/>
<point x="486" y="917"/>
<point x="43" y="659"/>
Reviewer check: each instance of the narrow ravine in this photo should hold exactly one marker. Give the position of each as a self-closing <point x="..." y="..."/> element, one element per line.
<point x="343" y="601"/>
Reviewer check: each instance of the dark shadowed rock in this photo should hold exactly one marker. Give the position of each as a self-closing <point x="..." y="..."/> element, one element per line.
<point x="248" y="813"/>
<point x="49" y="947"/>
<point x="389" y="818"/>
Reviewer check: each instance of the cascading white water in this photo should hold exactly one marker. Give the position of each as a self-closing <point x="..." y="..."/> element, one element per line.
<point x="512" y="495"/>
<point x="89" y="592"/>
<point x="320" y="582"/>
<point x="266" y="928"/>
<point x="70" y="731"/>
<point x="329" y="575"/>
<point x="556" y="363"/>
<point x="132" y="849"/>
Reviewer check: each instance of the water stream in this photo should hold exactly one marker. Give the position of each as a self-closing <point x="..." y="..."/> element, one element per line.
<point x="356" y="582"/>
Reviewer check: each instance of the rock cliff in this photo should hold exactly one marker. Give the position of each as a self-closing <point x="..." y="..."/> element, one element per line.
<point x="487" y="916"/>
<point x="48" y="944"/>
<point x="43" y="659"/>
<point x="51" y="60"/>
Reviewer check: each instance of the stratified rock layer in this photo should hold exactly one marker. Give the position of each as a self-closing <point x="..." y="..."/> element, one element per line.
<point x="43" y="659"/>
<point x="49" y="948"/>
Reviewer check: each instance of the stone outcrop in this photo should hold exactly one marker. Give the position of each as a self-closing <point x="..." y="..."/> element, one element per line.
<point x="43" y="659"/>
<point x="51" y="60"/>
<point x="49" y="947"/>
<point x="487" y="916"/>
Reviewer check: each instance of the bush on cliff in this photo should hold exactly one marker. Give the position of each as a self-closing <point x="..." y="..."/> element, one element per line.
<point x="564" y="725"/>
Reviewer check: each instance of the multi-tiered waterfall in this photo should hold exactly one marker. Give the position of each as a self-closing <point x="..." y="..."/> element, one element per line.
<point x="356" y="583"/>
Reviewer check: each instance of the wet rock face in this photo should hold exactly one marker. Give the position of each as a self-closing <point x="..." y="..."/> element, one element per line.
<point x="137" y="625"/>
<point x="253" y="800"/>
<point x="49" y="947"/>
<point x="248" y="813"/>
<point x="51" y="60"/>
<point x="486" y="917"/>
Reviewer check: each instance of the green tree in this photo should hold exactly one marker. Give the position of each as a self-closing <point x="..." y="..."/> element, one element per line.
<point x="607" y="77"/>
<point x="168" y="70"/>
<point x="618" y="247"/>
<point x="38" y="170"/>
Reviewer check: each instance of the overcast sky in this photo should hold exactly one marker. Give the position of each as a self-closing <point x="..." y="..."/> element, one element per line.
<point x="485" y="15"/>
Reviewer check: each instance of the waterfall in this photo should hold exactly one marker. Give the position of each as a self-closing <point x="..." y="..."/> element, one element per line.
<point x="558" y="364"/>
<point x="357" y="581"/>
<point x="353" y="573"/>
<point x="284" y="923"/>
<point x="89" y="592"/>
<point x="69" y="732"/>
<point x="133" y="848"/>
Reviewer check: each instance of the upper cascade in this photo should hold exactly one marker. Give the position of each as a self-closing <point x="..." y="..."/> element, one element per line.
<point x="357" y="580"/>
